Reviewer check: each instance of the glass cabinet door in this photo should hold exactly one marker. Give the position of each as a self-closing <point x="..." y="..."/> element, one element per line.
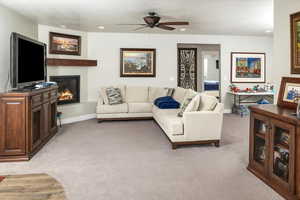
<point x="282" y="152"/>
<point x="259" y="142"/>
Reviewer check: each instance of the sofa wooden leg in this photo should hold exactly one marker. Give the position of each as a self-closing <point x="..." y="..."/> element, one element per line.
<point x="174" y="146"/>
<point x="217" y="144"/>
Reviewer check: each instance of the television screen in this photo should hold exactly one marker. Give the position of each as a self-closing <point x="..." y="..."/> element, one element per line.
<point x="31" y="62"/>
<point x="28" y="64"/>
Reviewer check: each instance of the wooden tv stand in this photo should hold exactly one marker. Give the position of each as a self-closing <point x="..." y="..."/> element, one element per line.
<point x="27" y="122"/>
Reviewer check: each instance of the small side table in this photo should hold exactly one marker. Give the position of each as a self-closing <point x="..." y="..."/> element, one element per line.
<point x="240" y="98"/>
<point x="58" y="115"/>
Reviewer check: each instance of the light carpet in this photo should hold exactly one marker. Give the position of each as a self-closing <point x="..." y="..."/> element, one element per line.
<point x="133" y="160"/>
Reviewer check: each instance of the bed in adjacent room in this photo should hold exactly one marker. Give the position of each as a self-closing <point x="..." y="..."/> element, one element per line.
<point x="212" y="88"/>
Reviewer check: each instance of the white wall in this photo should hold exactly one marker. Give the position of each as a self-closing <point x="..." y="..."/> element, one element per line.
<point x="282" y="51"/>
<point x="105" y="47"/>
<point x="11" y="22"/>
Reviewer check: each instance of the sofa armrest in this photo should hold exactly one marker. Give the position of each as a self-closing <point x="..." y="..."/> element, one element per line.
<point x="203" y="125"/>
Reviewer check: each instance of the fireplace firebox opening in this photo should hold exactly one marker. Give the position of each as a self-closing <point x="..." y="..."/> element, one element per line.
<point x="68" y="88"/>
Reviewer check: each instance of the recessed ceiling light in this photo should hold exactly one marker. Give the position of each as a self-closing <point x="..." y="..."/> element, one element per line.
<point x="268" y="31"/>
<point x="62" y="26"/>
<point x="182" y="29"/>
<point x="101" y="27"/>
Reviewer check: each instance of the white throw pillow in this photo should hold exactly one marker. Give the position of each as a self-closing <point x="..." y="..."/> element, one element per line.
<point x="208" y="103"/>
<point x="104" y="95"/>
<point x="156" y="92"/>
<point x="179" y="94"/>
<point x="194" y="104"/>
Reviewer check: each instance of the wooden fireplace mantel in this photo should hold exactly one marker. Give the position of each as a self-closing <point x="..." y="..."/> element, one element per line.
<point x="54" y="62"/>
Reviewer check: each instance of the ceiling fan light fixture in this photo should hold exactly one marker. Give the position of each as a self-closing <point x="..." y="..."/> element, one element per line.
<point x="182" y="29"/>
<point x="101" y="27"/>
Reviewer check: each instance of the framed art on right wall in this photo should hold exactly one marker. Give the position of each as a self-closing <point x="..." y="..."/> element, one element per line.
<point x="289" y="92"/>
<point x="295" y="43"/>
<point x="248" y="67"/>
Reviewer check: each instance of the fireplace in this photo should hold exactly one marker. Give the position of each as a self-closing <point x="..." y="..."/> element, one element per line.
<point x="68" y="89"/>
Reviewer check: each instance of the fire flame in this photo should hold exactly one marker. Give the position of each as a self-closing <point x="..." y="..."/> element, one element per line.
<point x="65" y="95"/>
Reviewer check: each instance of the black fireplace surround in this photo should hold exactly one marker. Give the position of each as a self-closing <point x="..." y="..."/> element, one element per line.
<point x="68" y="88"/>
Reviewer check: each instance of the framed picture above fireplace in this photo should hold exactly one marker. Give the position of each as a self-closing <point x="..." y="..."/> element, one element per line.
<point x="68" y="89"/>
<point x="64" y="44"/>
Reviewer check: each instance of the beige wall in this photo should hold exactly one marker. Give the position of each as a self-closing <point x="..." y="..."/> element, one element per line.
<point x="281" y="52"/>
<point x="11" y="22"/>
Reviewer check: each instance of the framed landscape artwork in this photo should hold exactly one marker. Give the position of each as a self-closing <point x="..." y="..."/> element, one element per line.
<point x="295" y="43"/>
<point x="138" y="62"/>
<point x="248" y="67"/>
<point x="64" y="44"/>
<point x="289" y="93"/>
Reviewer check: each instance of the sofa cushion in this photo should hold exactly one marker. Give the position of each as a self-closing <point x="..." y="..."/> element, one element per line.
<point x="168" y="120"/>
<point x="156" y="92"/>
<point x="139" y="107"/>
<point x="114" y="96"/>
<point x="207" y="102"/>
<point x="109" y="109"/>
<point x="179" y="94"/>
<point x="194" y="105"/>
<point x="136" y="94"/>
<point x="104" y="95"/>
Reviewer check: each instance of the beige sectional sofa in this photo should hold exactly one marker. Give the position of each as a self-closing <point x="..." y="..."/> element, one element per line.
<point x="201" y="123"/>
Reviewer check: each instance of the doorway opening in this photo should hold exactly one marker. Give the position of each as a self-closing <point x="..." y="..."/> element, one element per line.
<point x="199" y="68"/>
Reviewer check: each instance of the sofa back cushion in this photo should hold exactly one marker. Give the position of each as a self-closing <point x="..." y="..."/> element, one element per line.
<point x="208" y="103"/>
<point x="156" y="92"/>
<point x="104" y="94"/>
<point x="136" y="94"/>
<point x="179" y="94"/>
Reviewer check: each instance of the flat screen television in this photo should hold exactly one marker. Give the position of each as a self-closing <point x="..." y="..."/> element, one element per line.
<point x="28" y="61"/>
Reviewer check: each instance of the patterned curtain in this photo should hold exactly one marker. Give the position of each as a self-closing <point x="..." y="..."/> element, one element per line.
<point x="187" y="68"/>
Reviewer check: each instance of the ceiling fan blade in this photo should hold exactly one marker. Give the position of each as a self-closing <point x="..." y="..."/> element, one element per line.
<point x="175" y="23"/>
<point x="131" y="24"/>
<point x="165" y="27"/>
<point x="140" y="28"/>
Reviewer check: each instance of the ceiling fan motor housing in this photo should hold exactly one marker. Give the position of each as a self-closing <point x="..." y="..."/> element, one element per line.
<point x="152" y="19"/>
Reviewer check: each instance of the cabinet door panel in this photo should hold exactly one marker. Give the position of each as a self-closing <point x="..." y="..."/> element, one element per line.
<point x="37" y="127"/>
<point x="259" y="143"/>
<point x="46" y="108"/>
<point x="13" y="129"/>
<point x="281" y="166"/>
<point x="52" y="117"/>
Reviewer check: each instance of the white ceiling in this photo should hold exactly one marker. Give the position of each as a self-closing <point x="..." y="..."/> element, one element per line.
<point x="233" y="17"/>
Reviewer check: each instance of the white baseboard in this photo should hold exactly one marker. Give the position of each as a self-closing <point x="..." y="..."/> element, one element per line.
<point x="78" y="118"/>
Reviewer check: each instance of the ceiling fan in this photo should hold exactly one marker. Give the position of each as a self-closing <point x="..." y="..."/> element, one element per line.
<point x="152" y="21"/>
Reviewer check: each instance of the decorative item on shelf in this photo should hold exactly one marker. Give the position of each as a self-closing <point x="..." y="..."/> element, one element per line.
<point x="295" y="43"/>
<point x="284" y="138"/>
<point x="64" y="44"/>
<point x="289" y="93"/>
<point x="138" y="62"/>
<point x="262" y="128"/>
<point x="263" y="101"/>
<point x="261" y="153"/>
<point x="281" y="163"/>
<point x="234" y="88"/>
<point x="248" y="67"/>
